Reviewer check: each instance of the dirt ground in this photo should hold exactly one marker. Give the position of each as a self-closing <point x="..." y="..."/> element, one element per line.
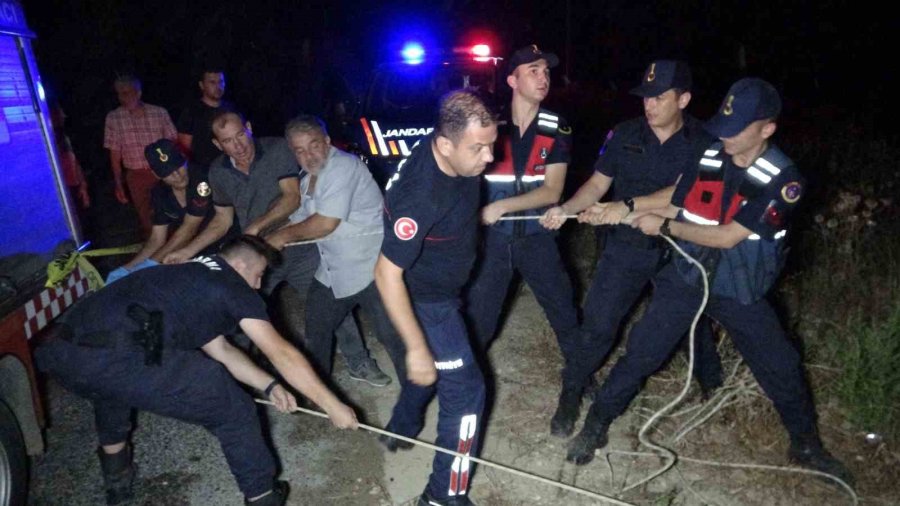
<point x="181" y="464"/>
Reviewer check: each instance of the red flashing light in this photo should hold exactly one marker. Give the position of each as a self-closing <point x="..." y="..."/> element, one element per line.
<point x="481" y="50"/>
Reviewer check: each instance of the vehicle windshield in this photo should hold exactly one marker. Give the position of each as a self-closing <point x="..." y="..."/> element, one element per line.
<point x="411" y="93"/>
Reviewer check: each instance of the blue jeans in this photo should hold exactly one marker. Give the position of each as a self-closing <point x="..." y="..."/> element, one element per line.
<point x="187" y="386"/>
<point x="756" y="332"/>
<point x="460" y="390"/>
<point x="623" y="272"/>
<point x="537" y="258"/>
<point x="324" y="313"/>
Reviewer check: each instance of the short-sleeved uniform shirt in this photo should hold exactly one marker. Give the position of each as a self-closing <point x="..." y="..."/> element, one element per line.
<point x="431" y="226"/>
<point x="640" y="165"/>
<point x="345" y="190"/>
<point x="200" y="300"/>
<point x="196" y="121"/>
<point x="198" y="199"/>
<point x="129" y="133"/>
<point x="254" y="194"/>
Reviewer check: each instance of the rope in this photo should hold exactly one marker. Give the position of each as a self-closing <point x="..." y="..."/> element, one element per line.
<point x="669" y="455"/>
<point x="331" y="238"/>
<point x="508" y="218"/>
<point x="517" y="472"/>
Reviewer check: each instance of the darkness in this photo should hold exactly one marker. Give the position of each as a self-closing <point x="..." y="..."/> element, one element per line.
<point x="282" y="57"/>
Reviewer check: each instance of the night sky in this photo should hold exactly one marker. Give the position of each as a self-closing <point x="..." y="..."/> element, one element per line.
<point x="282" y="57"/>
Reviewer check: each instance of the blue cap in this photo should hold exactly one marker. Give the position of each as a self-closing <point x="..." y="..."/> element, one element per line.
<point x="662" y="76"/>
<point x="529" y="54"/>
<point x="748" y="100"/>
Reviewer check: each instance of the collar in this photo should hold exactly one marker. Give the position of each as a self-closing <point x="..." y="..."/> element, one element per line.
<point x="259" y="153"/>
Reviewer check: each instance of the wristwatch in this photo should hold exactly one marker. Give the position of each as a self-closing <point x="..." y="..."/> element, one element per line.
<point x="629" y="203"/>
<point x="664" y="228"/>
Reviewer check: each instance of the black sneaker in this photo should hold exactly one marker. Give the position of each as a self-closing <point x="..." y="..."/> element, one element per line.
<point x="278" y="496"/>
<point x="393" y="444"/>
<point x="563" y="422"/>
<point x="458" y="500"/>
<point x="593" y="436"/>
<point x="811" y="455"/>
<point x="370" y="373"/>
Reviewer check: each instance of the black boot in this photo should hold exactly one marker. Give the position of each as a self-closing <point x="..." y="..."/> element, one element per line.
<point x="393" y="444"/>
<point x="593" y="436"/>
<point x="118" y="475"/>
<point x="426" y="499"/>
<point x="563" y="422"/>
<point x="808" y="452"/>
<point x="277" y="498"/>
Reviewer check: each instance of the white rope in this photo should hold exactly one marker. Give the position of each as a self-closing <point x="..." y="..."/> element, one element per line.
<point x="669" y="455"/>
<point x="524" y="474"/>
<point x="508" y="218"/>
<point x="330" y="237"/>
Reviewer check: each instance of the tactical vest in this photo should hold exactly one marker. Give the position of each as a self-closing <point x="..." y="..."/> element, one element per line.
<point x="505" y="181"/>
<point x="747" y="271"/>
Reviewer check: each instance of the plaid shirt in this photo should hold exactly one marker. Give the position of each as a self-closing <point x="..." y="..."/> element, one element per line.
<point x="129" y="134"/>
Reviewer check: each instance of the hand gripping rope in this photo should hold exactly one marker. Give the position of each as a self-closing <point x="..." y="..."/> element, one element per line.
<point x="670" y="456"/>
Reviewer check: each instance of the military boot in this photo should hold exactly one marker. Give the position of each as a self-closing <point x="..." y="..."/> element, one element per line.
<point x="563" y="422"/>
<point x="277" y="497"/>
<point x="118" y="475"/>
<point x="808" y="452"/>
<point x="593" y="436"/>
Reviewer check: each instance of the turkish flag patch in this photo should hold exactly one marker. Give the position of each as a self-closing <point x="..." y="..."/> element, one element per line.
<point x="405" y="228"/>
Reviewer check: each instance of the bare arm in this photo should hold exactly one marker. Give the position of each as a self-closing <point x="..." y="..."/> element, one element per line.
<point x="286" y="204"/>
<point x="115" y="162"/>
<point x="419" y="361"/>
<point x="154" y="242"/>
<point x="613" y="213"/>
<point x="547" y="194"/>
<point x="248" y="373"/>
<point x="590" y="192"/>
<point x="216" y="229"/>
<point x="712" y="236"/>
<point x="182" y="236"/>
<point x="297" y="371"/>
<point x="313" y="227"/>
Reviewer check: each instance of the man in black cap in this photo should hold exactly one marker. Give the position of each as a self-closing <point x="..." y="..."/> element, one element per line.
<point x="732" y="216"/>
<point x="645" y="156"/>
<point x="533" y="151"/>
<point x="181" y="203"/>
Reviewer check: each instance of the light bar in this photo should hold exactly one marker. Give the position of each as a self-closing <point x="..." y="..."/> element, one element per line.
<point x="481" y="50"/>
<point x="413" y="53"/>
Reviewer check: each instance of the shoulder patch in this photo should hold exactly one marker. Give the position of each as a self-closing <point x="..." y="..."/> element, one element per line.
<point x="405" y="228"/>
<point x="203" y="189"/>
<point x="791" y="192"/>
<point x="565" y="130"/>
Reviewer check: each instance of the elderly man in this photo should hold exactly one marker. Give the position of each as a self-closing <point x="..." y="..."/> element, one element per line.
<point x="129" y="129"/>
<point x="342" y="204"/>
<point x="256" y="182"/>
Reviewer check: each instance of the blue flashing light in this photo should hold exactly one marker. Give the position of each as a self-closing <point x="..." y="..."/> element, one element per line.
<point x="413" y="53"/>
<point x="41" y="94"/>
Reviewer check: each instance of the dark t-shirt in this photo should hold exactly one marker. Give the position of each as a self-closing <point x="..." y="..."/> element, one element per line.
<point x="431" y="226"/>
<point x="200" y="300"/>
<point x="196" y="120"/>
<point x="521" y="145"/>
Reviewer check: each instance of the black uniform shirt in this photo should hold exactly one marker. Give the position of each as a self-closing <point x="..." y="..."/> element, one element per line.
<point x="198" y="199"/>
<point x="431" y="226"/>
<point x="200" y="300"/>
<point x="521" y="145"/>
<point x="640" y="165"/>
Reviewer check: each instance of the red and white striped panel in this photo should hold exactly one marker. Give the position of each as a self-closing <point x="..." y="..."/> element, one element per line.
<point x="51" y="302"/>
